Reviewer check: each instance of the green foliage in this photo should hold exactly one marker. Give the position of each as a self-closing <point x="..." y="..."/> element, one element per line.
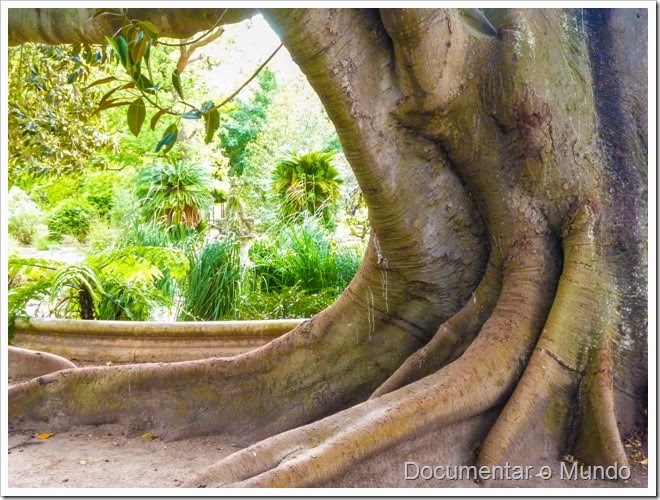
<point x="174" y="194"/>
<point x="284" y="304"/>
<point x="114" y="285"/>
<point x="244" y="124"/>
<point x="99" y="190"/>
<point x="307" y="183"/>
<point x="305" y="257"/>
<point x="213" y="286"/>
<point x="73" y="217"/>
<point x="55" y="190"/>
<point x="24" y="216"/>
<point x="137" y="279"/>
<point x="52" y="127"/>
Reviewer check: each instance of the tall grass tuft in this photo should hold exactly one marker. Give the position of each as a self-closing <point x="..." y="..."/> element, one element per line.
<point x="213" y="286"/>
<point x="304" y="256"/>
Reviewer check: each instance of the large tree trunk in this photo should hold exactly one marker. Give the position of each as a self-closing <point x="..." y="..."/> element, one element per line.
<point x="503" y="160"/>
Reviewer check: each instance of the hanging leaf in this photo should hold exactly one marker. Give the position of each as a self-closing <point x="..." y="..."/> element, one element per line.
<point x="136" y="115"/>
<point x="176" y="81"/>
<point x="122" y="51"/>
<point x="155" y="118"/>
<point x="140" y="48"/>
<point x="195" y="114"/>
<point x="143" y="83"/>
<point x="212" y="120"/>
<point x="168" y="139"/>
<point x="100" y="82"/>
<point x="150" y="30"/>
<point x="112" y="103"/>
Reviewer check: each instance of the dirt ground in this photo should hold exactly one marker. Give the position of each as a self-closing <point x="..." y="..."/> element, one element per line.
<point x="103" y="457"/>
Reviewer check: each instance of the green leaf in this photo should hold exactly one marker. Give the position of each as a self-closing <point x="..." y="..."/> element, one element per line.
<point x="111" y="103"/>
<point x="168" y="139"/>
<point x="136" y="115"/>
<point x="176" y="81"/>
<point x="212" y="120"/>
<point x="149" y="29"/>
<point x="122" y="51"/>
<point x="143" y="83"/>
<point x="195" y="114"/>
<point x="155" y="118"/>
<point x="139" y="49"/>
<point x="71" y="77"/>
<point x="100" y="82"/>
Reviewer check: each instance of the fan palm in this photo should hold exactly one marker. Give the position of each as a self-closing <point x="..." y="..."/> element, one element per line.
<point x="175" y="193"/>
<point x="307" y="183"/>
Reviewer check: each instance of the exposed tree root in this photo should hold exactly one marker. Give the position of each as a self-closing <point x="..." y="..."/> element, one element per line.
<point x="479" y="380"/>
<point x="548" y="401"/>
<point x="452" y="338"/>
<point x="323" y="366"/>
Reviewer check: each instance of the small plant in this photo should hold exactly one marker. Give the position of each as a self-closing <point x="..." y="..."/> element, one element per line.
<point x="24" y="216"/>
<point x="213" y="286"/>
<point x="174" y="194"/>
<point x="72" y="217"/>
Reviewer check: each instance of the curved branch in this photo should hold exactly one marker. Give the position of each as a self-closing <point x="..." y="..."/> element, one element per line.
<point x="55" y="26"/>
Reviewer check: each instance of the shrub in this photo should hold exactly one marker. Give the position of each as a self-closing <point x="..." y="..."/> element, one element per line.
<point x="71" y="217"/>
<point x="289" y="303"/>
<point x="174" y="194"/>
<point x="303" y="256"/>
<point x="213" y="286"/>
<point x="24" y="216"/>
<point x="56" y="190"/>
<point x="99" y="189"/>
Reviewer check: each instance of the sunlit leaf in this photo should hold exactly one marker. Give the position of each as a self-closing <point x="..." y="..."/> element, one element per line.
<point x="212" y="123"/>
<point x="136" y="115"/>
<point x="100" y="82"/>
<point x="176" y="81"/>
<point x="195" y="114"/>
<point x="168" y="139"/>
<point x="149" y="29"/>
<point x="156" y="117"/>
<point x="139" y="49"/>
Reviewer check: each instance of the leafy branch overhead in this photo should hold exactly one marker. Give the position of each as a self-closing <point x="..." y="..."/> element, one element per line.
<point x="132" y="47"/>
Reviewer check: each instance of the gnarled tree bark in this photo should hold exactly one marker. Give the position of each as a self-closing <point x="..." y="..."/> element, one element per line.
<point x="504" y="166"/>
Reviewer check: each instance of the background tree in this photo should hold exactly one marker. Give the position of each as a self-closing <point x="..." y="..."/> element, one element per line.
<point x="502" y="155"/>
<point x="51" y="104"/>
<point x="243" y="125"/>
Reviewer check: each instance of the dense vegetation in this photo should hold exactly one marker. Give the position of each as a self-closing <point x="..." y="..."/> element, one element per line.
<point x="257" y="223"/>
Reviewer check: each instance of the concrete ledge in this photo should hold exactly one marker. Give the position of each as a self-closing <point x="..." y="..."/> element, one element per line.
<point x="138" y="342"/>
